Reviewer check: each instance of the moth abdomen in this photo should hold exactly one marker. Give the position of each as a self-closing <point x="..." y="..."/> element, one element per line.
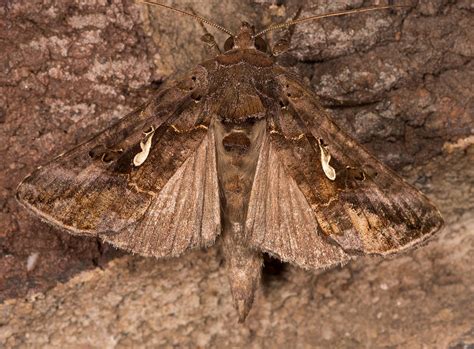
<point x="236" y="142"/>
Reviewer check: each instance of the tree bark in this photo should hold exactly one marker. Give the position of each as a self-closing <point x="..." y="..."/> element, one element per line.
<point x="400" y="82"/>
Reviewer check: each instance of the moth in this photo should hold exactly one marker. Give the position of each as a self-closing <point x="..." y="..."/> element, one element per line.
<point x="237" y="150"/>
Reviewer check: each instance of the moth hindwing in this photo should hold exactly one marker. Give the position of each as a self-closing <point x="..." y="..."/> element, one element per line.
<point x="238" y="149"/>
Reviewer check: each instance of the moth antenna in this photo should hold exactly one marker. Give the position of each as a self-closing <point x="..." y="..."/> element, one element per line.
<point x="326" y="15"/>
<point x="199" y="18"/>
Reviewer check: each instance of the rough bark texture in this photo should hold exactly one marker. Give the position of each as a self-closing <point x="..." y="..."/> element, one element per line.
<point x="403" y="86"/>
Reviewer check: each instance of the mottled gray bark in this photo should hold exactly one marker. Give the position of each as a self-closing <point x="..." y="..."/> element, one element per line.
<point x="400" y="82"/>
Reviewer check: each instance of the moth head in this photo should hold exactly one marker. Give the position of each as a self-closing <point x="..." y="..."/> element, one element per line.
<point x="245" y="39"/>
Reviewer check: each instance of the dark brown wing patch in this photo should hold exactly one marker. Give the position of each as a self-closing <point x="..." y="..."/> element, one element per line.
<point x="280" y="221"/>
<point x="184" y="215"/>
<point x="86" y="190"/>
<point x="367" y="208"/>
<point x="96" y="189"/>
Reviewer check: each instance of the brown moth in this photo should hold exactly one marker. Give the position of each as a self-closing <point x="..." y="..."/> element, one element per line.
<point x="239" y="148"/>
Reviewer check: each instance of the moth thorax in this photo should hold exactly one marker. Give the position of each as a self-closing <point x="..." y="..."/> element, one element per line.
<point x="241" y="107"/>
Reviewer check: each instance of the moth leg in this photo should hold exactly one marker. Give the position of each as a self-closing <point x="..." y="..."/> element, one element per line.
<point x="208" y="38"/>
<point x="283" y="44"/>
<point x="211" y="42"/>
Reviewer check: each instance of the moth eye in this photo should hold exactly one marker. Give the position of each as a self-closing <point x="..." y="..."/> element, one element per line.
<point x="229" y="44"/>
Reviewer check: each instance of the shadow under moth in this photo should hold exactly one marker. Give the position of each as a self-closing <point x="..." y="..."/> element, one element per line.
<point x="241" y="150"/>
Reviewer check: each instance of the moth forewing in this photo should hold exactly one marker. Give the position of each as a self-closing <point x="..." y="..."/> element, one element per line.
<point x="237" y="147"/>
